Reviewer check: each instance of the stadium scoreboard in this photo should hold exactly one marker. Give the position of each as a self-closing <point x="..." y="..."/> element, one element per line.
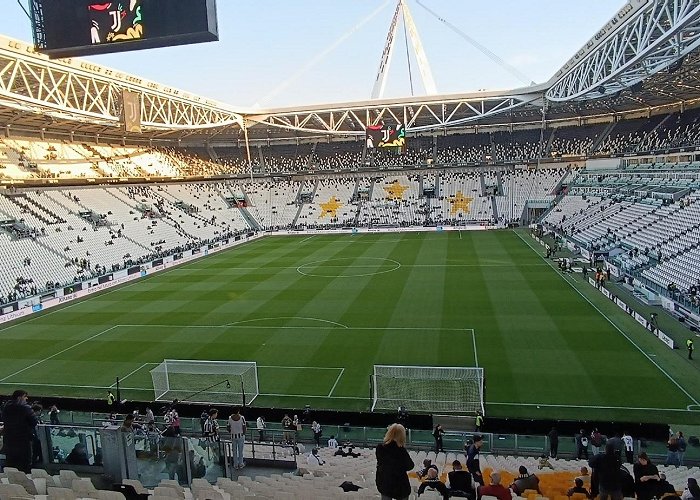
<point x="386" y="136"/>
<point x="67" y="28"/>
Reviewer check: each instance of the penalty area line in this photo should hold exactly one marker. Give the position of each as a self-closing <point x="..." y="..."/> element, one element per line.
<point x="131" y="373"/>
<point x="342" y="370"/>
<point x="311" y="396"/>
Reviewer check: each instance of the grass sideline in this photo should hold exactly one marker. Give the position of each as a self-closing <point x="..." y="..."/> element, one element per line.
<point x="319" y="312"/>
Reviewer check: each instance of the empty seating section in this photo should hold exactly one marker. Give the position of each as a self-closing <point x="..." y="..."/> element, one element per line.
<point x="517" y="146"/>
<point x="333" y="204"/>
<point x="273" y="204"/>
<point x="395" y="201"/>
<point x="647" y="216"/>
<point x="454" y="187"/>
<point x="285" y="158"/>
<point x="463" y="149"/>
<point x="574" y="140"/>
<point x="627" y="135"/>
<point x="336" y="156"/>
<point x="519" y="186"/>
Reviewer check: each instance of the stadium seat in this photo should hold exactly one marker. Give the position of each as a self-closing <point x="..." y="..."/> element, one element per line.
<point x="56" y="493"/>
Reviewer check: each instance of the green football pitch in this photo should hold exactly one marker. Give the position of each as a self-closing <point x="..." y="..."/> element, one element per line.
<point x="316" y="313"/>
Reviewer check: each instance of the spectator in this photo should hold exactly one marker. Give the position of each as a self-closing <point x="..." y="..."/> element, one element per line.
<point x="673" y="449"/>
<point x="150" y="417"/>
<point x="78" y="455"/>
<point x="128" y="425"/>
<point x="237" y="427"/>
<point x="460" y="480"/>
<point x="260" y="424"/>
<point x="437" y="435"/>
<point x="53" y="415"/>
<point x="19" y="425"/>
<point x="646" y="477"/>
<point x="314" y="459"/>
<point x="585" y="477"/>
<point x="628" y="443"/>
<point x="427" y="465"/>
<point x="553" y="442"/>
<point x="606" y="467"/>
<point x="289" y="428"/>
<point x="473" y="459"/>
<point x="692" y="491"/>
<point x="581" y="445"/>
<point x="332" y="442"/>
<point x="316" y="429"/>
<point x="578" y="488"/>
<point x="682" y="446"/>
<point x="495" y="489"/>
<point x="664" y="488"/>
<point x="393" y="463"/>
<point x="433" y="481"/>
<point x="525" y="481"/>
<point x="596" y="441"/>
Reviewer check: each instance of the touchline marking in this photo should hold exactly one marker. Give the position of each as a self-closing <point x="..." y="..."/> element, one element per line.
<point x="612" y="323"/>
<point x="307" y="239"/>
<point x="77" y="386"/>
<point x="585" y="406"/>
<point x="59" y="352"/>
<point x="287" y="327"/>
<point x="342" y="370"/>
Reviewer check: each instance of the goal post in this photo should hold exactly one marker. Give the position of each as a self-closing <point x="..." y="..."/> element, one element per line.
<point x="209" y="382"/>
<point x="428" y="389"/>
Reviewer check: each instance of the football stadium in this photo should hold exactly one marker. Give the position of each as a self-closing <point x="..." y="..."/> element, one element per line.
<point x="503" y="283"/>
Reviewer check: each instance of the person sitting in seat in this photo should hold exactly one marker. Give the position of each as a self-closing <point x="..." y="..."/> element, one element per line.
<point x="578" y="488"/>
<point x="427" y="465"/>
<point x="314" y="459"/>
<point x="525" y="481"/>
<point x="433" y="481"/>
<point x="461" y="484"/>
<point x="495" y="489"/>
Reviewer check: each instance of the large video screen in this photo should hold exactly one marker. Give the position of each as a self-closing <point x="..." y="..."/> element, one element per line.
<point x="116" y="21"/>
<point x="68" y="28"/>
<point x="385" y="135"/>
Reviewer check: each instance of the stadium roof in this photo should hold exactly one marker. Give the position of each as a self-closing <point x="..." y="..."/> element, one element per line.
<point x="645" y="60"/>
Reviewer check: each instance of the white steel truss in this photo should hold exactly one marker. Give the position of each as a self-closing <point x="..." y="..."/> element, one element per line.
<point x="650" y="36"/>
<point x="419" y="115"/>
<point x="403" y="11"/>
<point x="85" y="92"/>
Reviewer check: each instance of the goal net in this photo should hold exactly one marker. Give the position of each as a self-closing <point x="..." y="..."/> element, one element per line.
<point x="223" y="382"/>
<point x="428" y="389"/>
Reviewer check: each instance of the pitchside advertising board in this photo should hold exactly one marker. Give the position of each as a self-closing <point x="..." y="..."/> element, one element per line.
<point x="385" y="135"/>
<point x="67" y="28"/>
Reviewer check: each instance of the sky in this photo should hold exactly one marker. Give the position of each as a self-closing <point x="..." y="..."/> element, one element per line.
<point x="276" y="53"/>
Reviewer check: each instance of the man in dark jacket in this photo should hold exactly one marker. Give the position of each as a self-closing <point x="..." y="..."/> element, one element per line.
<point x="607" y="472"/>
<point x="20" y="422"/>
